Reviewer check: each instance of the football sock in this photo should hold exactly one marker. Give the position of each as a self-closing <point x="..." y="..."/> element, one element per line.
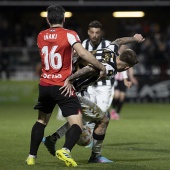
<point x="72" y="136"/>
<point x="119" y="106"/>
<point x="91" y="125"/>
<point x="37" y="134"/>
<point x="95" y="155"/>
<point x="98" y="137"/>
<point x="108" y="114"/>
<point x="115" y="102"/>
<point x="97" y="143"/>
<point x="60" y="132"/>
<point x="66" y="150"/>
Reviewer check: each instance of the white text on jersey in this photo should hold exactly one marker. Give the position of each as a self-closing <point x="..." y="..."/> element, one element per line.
<point x="50" y="36"/>
<point x="49" y="76"/>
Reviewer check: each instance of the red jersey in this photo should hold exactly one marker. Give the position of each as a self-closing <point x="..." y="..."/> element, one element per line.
<point x="55" y="46"/>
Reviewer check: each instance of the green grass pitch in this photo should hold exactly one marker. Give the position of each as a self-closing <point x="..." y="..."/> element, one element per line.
<point x="140" y="140"/>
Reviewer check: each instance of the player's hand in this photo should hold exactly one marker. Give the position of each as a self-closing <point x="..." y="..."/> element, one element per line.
<point x="67" y="88"/>
<point x="134" y="80"/>
<point x="139" y="38"/>
<point x="128" y="83"/>
<point x="102" y="74"/>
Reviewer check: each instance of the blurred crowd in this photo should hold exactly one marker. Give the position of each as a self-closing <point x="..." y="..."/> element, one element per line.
<point x="154" y="52"/>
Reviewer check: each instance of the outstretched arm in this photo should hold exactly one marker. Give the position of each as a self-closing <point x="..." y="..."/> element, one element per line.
<point x="125" y="40"/>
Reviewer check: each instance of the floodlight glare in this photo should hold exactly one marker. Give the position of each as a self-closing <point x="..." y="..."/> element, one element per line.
<point x="67" y="14"/>
<point x="128" y="14"/>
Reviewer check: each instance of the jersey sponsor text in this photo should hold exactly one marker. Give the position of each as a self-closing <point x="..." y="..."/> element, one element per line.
<point x="51" y="76"/>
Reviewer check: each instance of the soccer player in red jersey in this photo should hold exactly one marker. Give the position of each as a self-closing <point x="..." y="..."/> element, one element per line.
<point x="56" y="46"/>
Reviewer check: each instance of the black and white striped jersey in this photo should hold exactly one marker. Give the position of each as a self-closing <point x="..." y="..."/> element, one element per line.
<point x="90" y="47"/>
<point x="108" y="58"/>
<point x="102" y="52"/>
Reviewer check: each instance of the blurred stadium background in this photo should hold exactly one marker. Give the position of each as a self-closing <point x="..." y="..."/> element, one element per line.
<point x="20" y="22"/>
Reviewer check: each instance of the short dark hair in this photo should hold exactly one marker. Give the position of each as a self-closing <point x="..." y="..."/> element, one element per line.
<point x="55" y="14"/>
<point x="95" y="24"/>
<point x="129" y="56"/>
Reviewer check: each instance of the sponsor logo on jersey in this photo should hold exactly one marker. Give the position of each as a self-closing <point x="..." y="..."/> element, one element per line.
<point x="51" y="76"/>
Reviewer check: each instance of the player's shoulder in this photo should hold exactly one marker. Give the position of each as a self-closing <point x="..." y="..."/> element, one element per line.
<point x="70" y="31"/>
<point x="41" y="33"/>
<point x="108" y="41"/>
<point x="84" y="42"/>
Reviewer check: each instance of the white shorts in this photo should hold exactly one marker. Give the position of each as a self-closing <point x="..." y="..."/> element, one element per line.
<point x="96" y="102"/>
<point x="103" y="94"/>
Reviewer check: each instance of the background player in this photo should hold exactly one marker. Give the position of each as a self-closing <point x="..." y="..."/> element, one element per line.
<point x="120" y="86"/>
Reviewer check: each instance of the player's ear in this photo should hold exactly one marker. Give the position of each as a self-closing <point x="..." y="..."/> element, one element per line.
<point x="88" y="32"/>
<point x="64" y="20"/>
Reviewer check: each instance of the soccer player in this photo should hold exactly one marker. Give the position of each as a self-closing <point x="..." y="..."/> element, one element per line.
<point x="56" y="46"/>
<point x="102" y="90"/>
<point x="91" y="109"/>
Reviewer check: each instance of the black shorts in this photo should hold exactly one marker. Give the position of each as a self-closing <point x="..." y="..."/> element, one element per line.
<point x="49" y="96"/>
<point x="119" y="85"/>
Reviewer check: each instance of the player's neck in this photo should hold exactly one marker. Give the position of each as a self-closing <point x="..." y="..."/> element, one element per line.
<point x="56" y="26"/>
<point x="95" y="44"/>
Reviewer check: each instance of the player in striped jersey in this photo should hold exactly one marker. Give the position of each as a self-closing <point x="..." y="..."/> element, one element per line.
<point x="108" y="56"/>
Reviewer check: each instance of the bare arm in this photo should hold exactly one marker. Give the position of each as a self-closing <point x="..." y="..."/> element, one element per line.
<point x="132" y="77"/>
<point x="125" y="40"/>
<point x="83" y="71"/>
<point x="68" y="86"/>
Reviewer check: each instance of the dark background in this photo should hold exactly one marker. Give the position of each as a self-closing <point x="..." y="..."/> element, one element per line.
<point x="20" y="23"/>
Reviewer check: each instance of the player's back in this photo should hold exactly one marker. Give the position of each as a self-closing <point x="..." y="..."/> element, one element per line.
<point x="55" y="45"/>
